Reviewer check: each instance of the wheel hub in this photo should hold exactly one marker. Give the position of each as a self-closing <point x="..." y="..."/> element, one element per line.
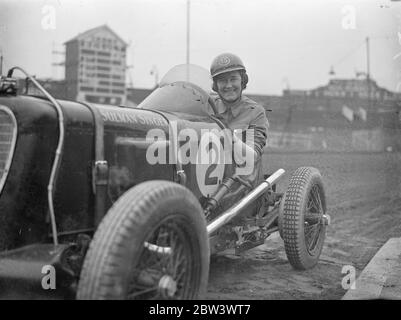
<point x="326" y="220"/>
<point x="167" y="286"/>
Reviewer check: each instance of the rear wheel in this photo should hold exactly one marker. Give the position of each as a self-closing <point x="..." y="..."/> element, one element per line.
<point x="302" y="219"/>
<point x="152" y="244"/>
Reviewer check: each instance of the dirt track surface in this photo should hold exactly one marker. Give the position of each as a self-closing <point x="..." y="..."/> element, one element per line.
<point x="363" y="193"/>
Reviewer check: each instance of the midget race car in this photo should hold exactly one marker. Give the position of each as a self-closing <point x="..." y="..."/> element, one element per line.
<point x="117" y="202"/>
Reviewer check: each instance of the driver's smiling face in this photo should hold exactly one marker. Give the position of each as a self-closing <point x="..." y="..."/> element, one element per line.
<point x="229" y="86"/>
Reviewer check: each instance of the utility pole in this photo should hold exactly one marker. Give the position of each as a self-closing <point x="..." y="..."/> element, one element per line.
<point x="56" y="65"/>
<point x="155" y="73"/>
<point x="188" y="28"/>
<point x="188" y="37"/>
<point x="1" y="62"/>
<point x="368" y="70"/>
<point x="128" y="71"/>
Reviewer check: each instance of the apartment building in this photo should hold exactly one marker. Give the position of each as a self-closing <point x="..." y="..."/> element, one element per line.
<point x="95" y="66"/>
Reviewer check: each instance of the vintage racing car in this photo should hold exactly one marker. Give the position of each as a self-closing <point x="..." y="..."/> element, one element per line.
<point x="105" y="197"/>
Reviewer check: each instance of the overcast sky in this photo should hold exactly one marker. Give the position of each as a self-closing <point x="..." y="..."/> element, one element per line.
<point x="283" y="43"/>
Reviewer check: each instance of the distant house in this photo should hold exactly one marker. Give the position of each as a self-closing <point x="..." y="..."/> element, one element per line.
<point x="95" y="65"/>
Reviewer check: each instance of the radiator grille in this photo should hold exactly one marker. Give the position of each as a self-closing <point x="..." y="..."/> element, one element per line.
<point x="8" y="135"/>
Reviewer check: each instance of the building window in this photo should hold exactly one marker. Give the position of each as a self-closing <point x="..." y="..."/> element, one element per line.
<point x="103" y="68"/>
<point x="118" y="91"/>
<point x="103" y="53"/>
<point x="102" y="90"/>
<point x="87" y="51"/>
<point x="103" y="61"/>
<point x="86" y="89"/>
<point x="118" y="84"/>
<point x="103" y="75"/>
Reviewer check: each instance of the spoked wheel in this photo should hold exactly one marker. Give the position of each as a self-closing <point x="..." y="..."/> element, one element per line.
<point x="167" y="268"/>
<point x="303" y="218"/>
<point x="152" y="244"/>
<point x="313" y="223"/>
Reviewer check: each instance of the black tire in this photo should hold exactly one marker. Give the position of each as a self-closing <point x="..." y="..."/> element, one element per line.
<point x="280" y="217"/>
<point x="152" y="243"/>
<point x="302" y="227"/>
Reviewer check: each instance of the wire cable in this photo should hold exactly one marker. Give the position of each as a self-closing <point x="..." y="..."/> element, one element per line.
<point x="348" y="54"/>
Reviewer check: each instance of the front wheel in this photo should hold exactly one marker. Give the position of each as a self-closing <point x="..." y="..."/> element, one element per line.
<point x="302" y="218"/>
<point x="152" y="244"/>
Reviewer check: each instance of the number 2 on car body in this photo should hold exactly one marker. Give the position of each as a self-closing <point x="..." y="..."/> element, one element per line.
<point x="209" y="168"/>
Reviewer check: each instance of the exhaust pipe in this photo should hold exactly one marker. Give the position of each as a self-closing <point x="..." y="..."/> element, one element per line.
<point x="244" y="202"/>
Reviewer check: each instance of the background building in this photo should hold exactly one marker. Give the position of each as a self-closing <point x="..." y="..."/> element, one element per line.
<point x="95" y="66"/>
<point x="339" y="117"/>
<point x="347" y="88"/>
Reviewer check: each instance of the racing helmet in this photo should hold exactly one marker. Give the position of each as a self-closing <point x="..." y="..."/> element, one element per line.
<point x="227" y="62"/>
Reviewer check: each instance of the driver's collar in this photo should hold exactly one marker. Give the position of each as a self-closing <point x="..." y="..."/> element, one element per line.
<point x="235" y="108"/>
